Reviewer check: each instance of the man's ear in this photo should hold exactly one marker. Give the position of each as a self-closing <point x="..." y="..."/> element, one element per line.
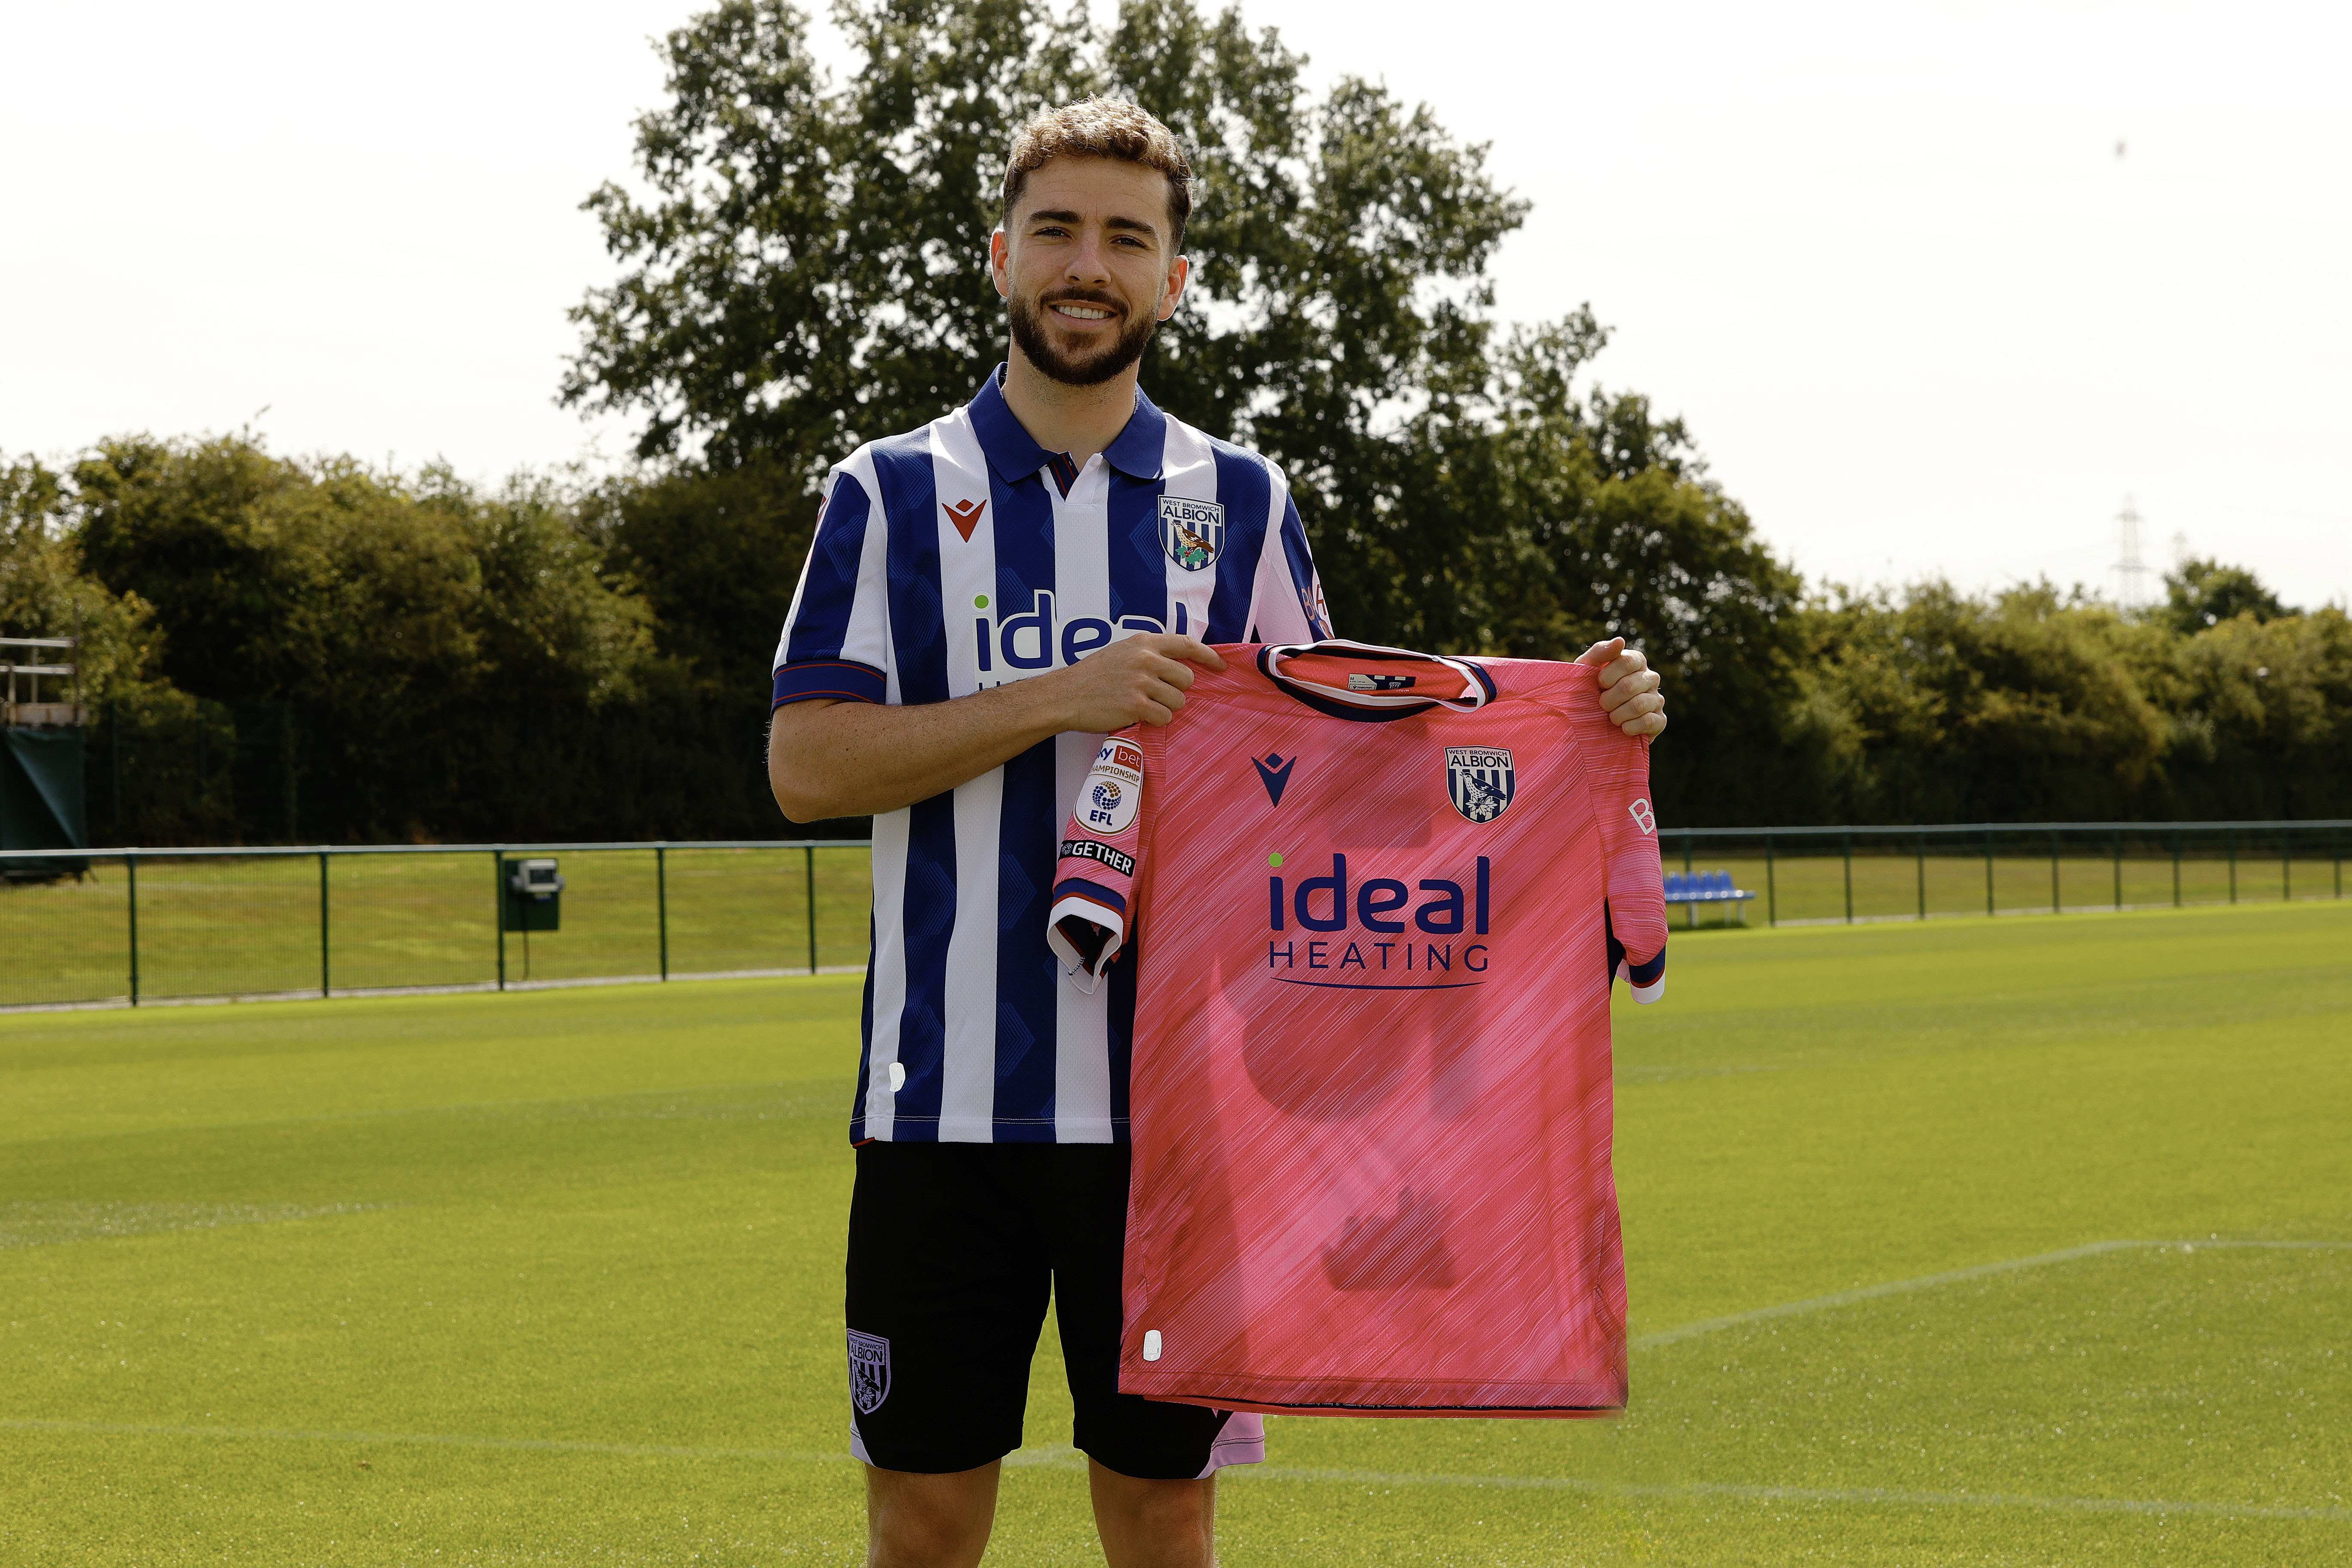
<point x="1000" y="258"/>
<point x="1178" y="275"/>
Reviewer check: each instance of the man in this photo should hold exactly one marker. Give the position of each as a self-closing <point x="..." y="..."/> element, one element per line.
<point x="985" y="598"/>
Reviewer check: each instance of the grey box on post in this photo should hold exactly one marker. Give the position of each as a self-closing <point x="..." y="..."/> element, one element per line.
<point x="532" y="899"/>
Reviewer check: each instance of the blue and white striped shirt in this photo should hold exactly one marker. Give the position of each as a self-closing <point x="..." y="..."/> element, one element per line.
<point x="959" y="557"/>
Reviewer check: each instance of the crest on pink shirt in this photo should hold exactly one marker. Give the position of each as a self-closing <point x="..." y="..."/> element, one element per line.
<point x="1480" y="781"/>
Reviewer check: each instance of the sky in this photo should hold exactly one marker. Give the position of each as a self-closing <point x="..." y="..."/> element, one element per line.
<point x="1938" y="288"/>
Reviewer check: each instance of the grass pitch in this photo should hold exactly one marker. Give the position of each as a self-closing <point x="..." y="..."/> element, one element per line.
<point x="229" y="925"/>
<point x="2017" y="1241"/>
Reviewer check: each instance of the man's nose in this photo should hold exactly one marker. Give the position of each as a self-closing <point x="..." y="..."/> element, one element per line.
<point x="1089" y="263"/>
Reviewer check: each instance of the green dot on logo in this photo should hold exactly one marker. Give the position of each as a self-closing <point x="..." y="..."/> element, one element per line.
<point x="1275" y="858"/>
<point x="979" y="601"/>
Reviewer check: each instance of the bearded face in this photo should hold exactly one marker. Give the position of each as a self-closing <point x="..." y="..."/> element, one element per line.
<point x="1065" y="354"/>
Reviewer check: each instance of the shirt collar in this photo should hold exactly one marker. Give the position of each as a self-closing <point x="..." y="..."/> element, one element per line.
<point x="1015" y="454"/>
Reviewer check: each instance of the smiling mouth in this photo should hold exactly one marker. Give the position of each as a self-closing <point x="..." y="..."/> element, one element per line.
<point x="1080" y="310"/>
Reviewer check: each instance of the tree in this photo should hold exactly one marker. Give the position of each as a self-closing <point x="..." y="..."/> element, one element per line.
<point x="2205" y="593"/>
<point x="381" y="655"/>
<point x="1942" y="706"/>
<point x="808" y="276"/>
<point x="810" y="272"/>
<point x="334" y="585"/>
<point x="715" y="554"/>
<point x="2261" y="717"/>
<point x="807" y="273"/>
<point x="46" y="593"/>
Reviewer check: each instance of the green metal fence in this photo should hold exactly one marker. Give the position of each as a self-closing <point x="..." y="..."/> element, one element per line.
<point x="1804" y="876"/>
<point x="156" y="925"/>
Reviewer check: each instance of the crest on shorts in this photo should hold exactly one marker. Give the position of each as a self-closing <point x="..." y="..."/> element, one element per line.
<point x="1480" y="781"/>
<point x="870" y="1371"/>
<point x="1192" y="532"/>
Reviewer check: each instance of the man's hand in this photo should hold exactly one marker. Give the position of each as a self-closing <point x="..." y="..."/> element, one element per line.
<point x="1629" y="687"/>
<point x="1139" y="679"/>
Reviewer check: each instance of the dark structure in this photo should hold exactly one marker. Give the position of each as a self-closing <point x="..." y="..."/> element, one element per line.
<point x="42" y="804"/>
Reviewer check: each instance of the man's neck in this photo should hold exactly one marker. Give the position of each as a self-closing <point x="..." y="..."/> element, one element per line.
<point x="1078" y="420"/>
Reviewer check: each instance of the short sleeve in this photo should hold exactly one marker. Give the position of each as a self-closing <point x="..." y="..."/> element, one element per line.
<point x="1289" y="602"/>
<point x="1093" y="913"/>
<point x="836" y="641"/>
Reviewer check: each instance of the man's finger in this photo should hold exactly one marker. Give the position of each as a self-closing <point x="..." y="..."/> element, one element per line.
<point x="1195" y="650"/>
<point x="1625" y="669"/>
<point x="1174" y="645"/>
<point x="1635" y="706"/>
<point x="1175" y="671"/>
<point x="1639" y="684"/>
<point x="1602" y="653"/>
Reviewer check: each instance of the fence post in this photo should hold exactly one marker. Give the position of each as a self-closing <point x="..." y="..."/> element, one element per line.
<point x="2230" y="837"/>
<point x="2055" y="907"/>
<point x="2335" y="847"/>
<point x="808" y="854"/>
<point x="661" y="903"/>
<point x="131" y="870"/>
<point x="1688" y="839"/>
<point x="2286" y="865"/>
<point x="2175" y="867"/>
<point x="1922" y="839"/>
<point x="1845" y="847"/>
<point x="2119" y="870"/>
<point x="1988" y="871"/>
<point x="1771" y="888"/>
<point x="498" y="908"/>
<point x="325" y="974"/>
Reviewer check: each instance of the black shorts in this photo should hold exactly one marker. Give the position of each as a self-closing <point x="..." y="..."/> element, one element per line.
<point x="953" y="1248"/>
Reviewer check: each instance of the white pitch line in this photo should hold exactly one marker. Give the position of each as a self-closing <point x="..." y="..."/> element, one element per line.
<point x="1062" y="1457"/>
<point x="1951" y="1277"/>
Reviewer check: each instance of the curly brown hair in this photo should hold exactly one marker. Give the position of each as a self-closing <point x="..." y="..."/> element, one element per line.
<point x="1101" y="127"/>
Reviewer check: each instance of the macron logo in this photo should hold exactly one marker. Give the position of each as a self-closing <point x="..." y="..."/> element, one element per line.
<point x="1273" y="771"/>
<point x="965" y="515"/>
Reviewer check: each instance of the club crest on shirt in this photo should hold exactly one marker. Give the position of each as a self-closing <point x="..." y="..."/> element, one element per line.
<point x="870" y="1371"/>
<point x="1192" y="532"/>
<point x="1480" y="781"/>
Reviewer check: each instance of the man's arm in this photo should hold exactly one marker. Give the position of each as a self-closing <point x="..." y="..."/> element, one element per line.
<point x="853" y="758"/>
